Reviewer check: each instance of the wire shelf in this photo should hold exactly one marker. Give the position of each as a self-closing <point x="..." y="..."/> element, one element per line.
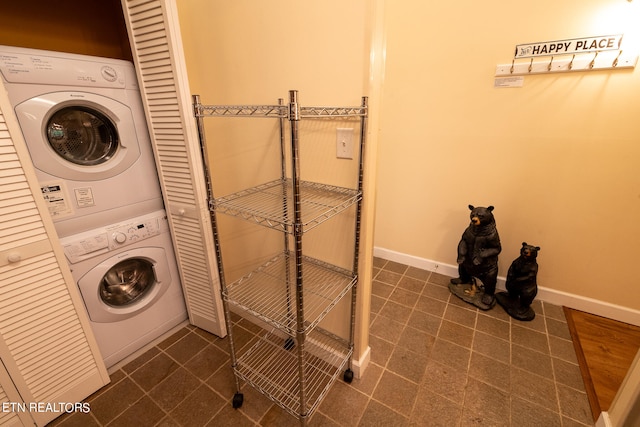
<point x="275" y="111"/>
<point x="271" y="204"/>
<point x="271" y="366"/>
<point x="269" y="294"/>
<point x="311" y="112"/>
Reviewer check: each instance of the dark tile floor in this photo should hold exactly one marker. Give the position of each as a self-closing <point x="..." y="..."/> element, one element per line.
<point x="435" y="361"/>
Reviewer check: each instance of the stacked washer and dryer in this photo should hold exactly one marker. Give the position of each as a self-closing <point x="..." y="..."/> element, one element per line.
<point x="83" y="121"/>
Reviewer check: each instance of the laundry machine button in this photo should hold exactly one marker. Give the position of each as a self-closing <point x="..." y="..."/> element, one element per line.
<point x="120" y="237"/>
<point x="109" y="74"/>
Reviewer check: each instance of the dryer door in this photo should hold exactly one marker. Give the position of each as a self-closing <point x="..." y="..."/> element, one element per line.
<point x="79" y="136"/>
<point x="126" y="284"/>
<point x="82" y="135"/>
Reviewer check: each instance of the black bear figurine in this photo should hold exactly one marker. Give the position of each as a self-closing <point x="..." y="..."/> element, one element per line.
<point x="478" y="259"/>
<point x="522" y="286"/>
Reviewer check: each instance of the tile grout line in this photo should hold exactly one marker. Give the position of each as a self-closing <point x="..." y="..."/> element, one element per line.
<point x="468" y="375"/>
<point x="395" y="345"/>
<point x="553" y="370"/>
<point x="405" y="325"/>
<point x="147" y="393"/>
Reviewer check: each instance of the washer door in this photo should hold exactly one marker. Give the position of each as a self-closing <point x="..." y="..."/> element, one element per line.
<point x="125" y="284"/>
<point x="79" y="136"/>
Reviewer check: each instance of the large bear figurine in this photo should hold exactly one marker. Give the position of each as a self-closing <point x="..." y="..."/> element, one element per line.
<point x="478" y="259"/>
<point x="522" y="285"/>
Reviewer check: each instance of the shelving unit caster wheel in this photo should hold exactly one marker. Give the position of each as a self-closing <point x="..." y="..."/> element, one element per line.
<point x="289" y="344"/>
<point x="348" y="376"/>
<point x="238" y="398"/>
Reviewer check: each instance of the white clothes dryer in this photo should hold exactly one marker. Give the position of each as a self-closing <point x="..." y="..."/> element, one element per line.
<point x="83" y="121"/>
<point x="128" y="278"/>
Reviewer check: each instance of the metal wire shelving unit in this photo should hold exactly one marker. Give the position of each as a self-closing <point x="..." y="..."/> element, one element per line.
<point x="295" y="362"/>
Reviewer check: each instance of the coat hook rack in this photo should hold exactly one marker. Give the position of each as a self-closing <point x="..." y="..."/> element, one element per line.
<point x="591" y="61"/>
<point x="615" y="61"/>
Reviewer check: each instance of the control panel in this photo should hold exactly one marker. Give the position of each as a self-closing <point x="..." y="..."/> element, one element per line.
<point x="42" y="68"/>
<point x="134" y="232"/>
<point x="96" y="242"/>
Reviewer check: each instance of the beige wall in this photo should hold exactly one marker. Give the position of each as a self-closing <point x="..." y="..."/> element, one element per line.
<point x="250" y="52"/>
<point x="558" y="158"/>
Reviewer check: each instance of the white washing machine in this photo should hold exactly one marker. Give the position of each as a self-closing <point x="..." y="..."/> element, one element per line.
<point x="83" y="121"/>
<point x="128" y="278"/>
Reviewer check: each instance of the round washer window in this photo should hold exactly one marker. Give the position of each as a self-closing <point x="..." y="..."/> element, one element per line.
<point x="82" y="136"/>
<point x="127" y="282"/>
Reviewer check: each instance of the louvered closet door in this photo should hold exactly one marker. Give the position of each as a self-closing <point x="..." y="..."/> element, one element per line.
<point x="46" y="344"/>
<point x="8" y="397"/>
<point x="157" y="50"/>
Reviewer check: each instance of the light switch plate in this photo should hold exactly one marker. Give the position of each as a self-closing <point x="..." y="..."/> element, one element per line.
<point x="344" y="143"/>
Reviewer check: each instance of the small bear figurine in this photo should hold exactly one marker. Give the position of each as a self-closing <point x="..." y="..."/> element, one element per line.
<point x="478" y="259"/>
<point x="522" y="286"/>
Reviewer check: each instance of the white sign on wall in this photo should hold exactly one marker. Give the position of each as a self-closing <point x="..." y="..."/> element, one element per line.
<point x="570" y="46"/>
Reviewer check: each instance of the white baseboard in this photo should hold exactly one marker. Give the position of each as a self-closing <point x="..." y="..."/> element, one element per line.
<point x="552" y="296"/>
<point x="603" y="420"/>
<point x="360" y="365"/>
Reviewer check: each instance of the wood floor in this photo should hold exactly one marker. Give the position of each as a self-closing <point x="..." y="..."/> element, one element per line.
<point x="605" y="348"/>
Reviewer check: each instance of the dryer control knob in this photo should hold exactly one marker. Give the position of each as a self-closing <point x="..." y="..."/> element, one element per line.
<point x="109" y="74"/>
<point x="120" y="237"/>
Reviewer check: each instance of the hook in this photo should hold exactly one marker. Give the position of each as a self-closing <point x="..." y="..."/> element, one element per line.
<point x="571" y="63"/>
<point x="615" y="61"/>
<point x="512" y="62"/>
<point x="531" y="65"/>
<point x="549" y="66"/>
<point x="593" y="61"/>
